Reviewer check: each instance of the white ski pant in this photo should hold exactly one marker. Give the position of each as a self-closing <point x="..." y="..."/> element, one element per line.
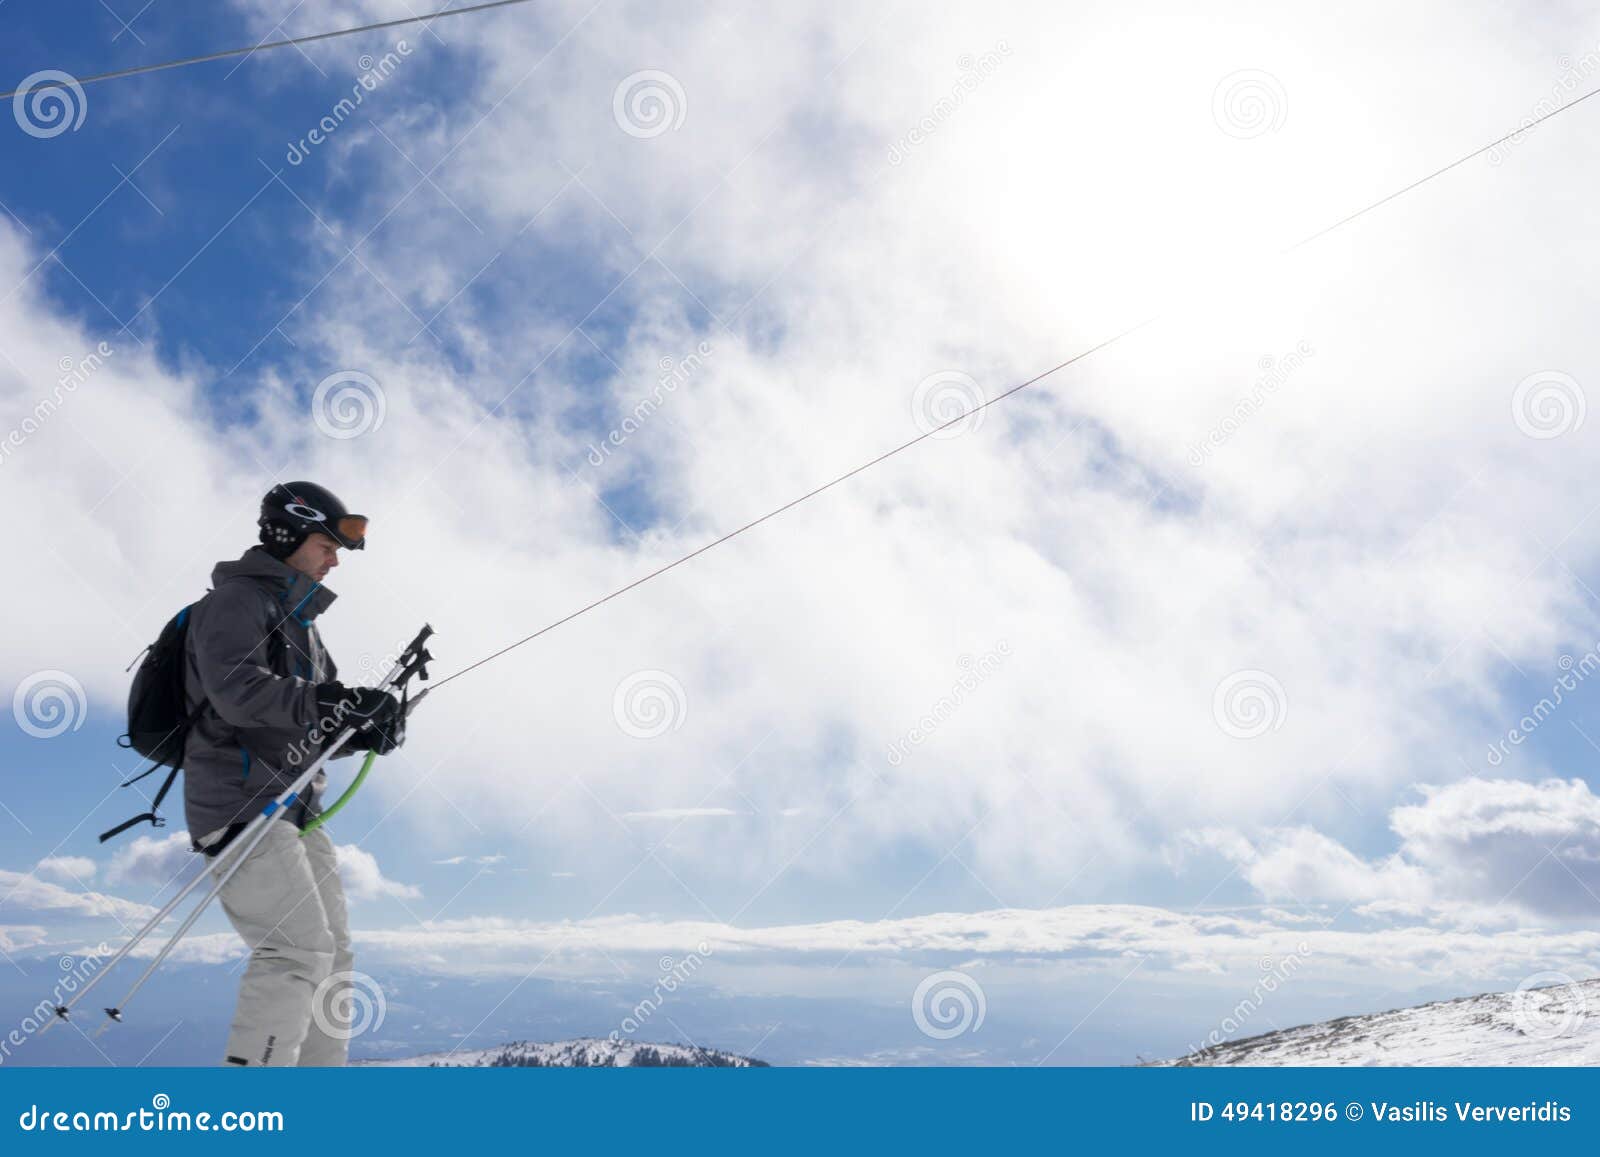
<point x="287" y="903"/>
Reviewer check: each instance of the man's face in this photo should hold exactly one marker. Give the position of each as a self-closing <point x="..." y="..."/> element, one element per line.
<point x="316" y="556"/>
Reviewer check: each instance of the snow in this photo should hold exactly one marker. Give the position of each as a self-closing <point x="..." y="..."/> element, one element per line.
<point x="585" y="1052"/>
<point x="1556" y="1025"/>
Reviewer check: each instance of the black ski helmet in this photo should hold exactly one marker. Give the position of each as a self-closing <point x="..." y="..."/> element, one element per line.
<point x="293" y="510"/>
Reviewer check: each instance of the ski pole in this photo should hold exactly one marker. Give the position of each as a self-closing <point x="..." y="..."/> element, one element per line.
<point x="61" y="1010"/>
<point x="230" y="852"/>
<point x="413" y="661"/>
<point x="249" y="838"/>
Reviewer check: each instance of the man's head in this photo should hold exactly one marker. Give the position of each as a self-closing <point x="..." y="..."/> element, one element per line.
<point x="305" y="525"/>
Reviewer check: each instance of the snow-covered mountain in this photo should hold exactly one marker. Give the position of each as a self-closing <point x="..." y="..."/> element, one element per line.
<point x="1557" y="1025"/>
<point x="584" y="1053"/>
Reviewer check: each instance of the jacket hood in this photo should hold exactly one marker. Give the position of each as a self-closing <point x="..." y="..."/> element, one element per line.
<point x="304" y="596"/>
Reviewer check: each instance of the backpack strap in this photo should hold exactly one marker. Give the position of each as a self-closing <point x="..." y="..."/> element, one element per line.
<point x="194" y="717"/>
<point x="155" y="820"/>
<point x="155" y="806"/>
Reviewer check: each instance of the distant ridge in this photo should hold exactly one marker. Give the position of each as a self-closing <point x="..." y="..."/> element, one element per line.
<point x="582" y="1053"/>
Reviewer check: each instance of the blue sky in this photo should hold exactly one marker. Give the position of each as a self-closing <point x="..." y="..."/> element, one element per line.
<point x="1388" y="543"/>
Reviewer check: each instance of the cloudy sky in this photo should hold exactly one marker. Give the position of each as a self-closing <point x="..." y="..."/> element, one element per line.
<point x="1265" y="632"/>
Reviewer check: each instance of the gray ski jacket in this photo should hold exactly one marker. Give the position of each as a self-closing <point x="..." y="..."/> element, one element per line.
<point x="255" y="657"/>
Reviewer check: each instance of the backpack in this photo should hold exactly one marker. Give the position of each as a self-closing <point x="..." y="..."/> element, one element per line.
<point x="158" y="724"/>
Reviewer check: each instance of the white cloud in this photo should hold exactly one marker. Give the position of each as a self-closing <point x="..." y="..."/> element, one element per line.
<point x="363" y="880"/>
<point x="25" y="892"/>
<point x="196" y="948"/>
<point x="1076" y="939"/>
<point x="1302" y="864"/>
<point x="680" y="813"/>
<point x="68" y="869"/>
<point x="1375" y="537"/>
<point x="16" y="937"/>
<point x="161" y="862"/>
<point x="155" y="862"/>
<point x="1059" y="526"/>
<point x="1533" y="845"/>
<point x="1484" y="850"/>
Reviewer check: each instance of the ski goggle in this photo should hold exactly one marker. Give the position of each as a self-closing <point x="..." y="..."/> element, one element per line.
<point x="352" y="531"/>
<point x="349" y="530"/>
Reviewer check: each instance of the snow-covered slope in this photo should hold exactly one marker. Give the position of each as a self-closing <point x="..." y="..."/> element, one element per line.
<point x="585" y="1053"/>
<point x="1557" y="1025"/>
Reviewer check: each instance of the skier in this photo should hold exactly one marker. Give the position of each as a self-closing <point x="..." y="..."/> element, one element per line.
<point x="272" y="700"/>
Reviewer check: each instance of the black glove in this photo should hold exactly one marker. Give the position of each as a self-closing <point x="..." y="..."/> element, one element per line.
<point x="375" y="714"/>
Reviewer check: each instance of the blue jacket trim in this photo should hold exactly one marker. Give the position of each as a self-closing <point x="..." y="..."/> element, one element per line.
<point x="295" y="614"/>
<point x="302" y="668"/>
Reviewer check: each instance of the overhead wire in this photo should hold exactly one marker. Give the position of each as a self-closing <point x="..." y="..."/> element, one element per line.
<point x="1108" y="342"/>
<point x="138" y="70"/>
<point x="1094" y="349"/>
